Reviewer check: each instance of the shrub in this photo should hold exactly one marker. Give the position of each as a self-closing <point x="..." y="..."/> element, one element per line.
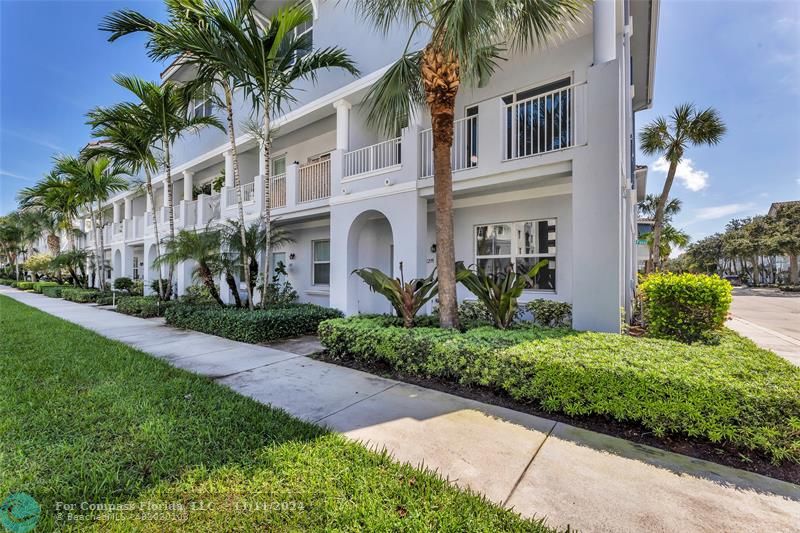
<point x="261" y="325"/>
<point x="6" y="281"/>
<point x="198" y="294"/>
<point x="105" y="298"/>
<point x="143" y="306"/>
<point x="407" y="298"/>
<point x="39" y="285"/>
<point x="53" y="291"/>
<point x="684" y="307"/>
<point x="123" y="284"/>
<point x="164" y="284"/>
<point x="81" y="296"/>
<point x="550" y="313"/>
<point x="733" y="392"/>
<point x="25" y="285"/>
<point x="138" y="288"/>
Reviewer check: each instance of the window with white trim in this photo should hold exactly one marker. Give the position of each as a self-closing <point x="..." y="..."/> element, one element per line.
<point x="201" y="106"/>
<point x="501" y="247"/>
<point x="305" y="34"/>
<point x="279" y="165"/>
<point x="321" y="262"/>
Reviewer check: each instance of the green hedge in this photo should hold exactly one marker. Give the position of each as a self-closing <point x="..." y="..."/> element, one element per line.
<point x="142" y="306"/>
<point x="5" y="281"/>
<point x="39" y="285"/>
<point x="684" y="307"/>
<point x="251" y="326"/>
<point x="733" y="392"/>
<point x="80" y="296"/>
<point x="54" y="291"/>
<point x="25" y="285"/>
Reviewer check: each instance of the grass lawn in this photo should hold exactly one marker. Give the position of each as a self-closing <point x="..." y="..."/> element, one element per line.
<point x="87" y="419"/>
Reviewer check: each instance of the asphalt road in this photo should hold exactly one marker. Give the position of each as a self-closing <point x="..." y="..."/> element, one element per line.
<point x="769" y="308"/>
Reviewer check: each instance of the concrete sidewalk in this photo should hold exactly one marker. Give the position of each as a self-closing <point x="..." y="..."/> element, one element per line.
<point x="574" y="477"/>
<point x="783" y="345"/>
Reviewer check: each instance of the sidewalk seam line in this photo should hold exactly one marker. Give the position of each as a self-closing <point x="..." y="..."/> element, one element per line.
<point x="528" y="466"/>
<point x="248" y="369"/>
<point x="781" y="336"/>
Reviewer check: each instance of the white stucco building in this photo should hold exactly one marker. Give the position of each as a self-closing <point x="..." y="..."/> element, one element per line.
<point x="543" y="167"/>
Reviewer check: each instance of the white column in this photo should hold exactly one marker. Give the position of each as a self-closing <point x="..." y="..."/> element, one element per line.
<point x="164" y="190"/>
<point x="188" y="185"/>
<point x="116" y="212"/>
<point x="128" y="208"/>
<point x="149" y="201"/>
<point x="228" y="168"/>
<point x="342" y="124"/>
<point x="604" y="26"/>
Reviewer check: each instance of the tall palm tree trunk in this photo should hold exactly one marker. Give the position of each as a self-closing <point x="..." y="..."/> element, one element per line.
<point x="658" y="223"/>
<point x="53" y="243"/>
<point x="237" y="182"/>
<point x="102" y="264"/>
<point x="440" y="77"/>
<point x="96" y="237"/>
<point x="149" y="186"/>
<point x="170" y="210"/>
<point x="266" y="216"/>
<point x="208" y="281"/>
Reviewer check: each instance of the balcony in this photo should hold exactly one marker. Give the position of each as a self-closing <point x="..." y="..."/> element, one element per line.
<point x="248" y="194"/>
<point x="380" y="157"/>
<point x="463" y="153"/>
<point x="277" y="190"/>
<point x="314" y="181"/>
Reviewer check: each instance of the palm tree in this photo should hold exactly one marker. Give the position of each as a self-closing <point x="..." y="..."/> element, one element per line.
<point x="670" y="237"/>
<point x="464" y="44"/>
<point x="199" y="49"/>
<point x="686" y="126"/>
<point x="55" y="198"/>
<point x="201" y="247"/>
<point x="11" y="239"/>
<point x="648" y="206"/>
<point x="97" y="179"/>
<point x="267" y="60"/>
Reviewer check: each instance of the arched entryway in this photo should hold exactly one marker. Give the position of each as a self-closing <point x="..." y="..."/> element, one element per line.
<point x="370" y="243"/>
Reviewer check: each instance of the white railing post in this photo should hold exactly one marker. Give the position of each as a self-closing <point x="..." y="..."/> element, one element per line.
<point x="292" y="184"/>
<point x="258" y="193"/>
<point x="336" y="172"/>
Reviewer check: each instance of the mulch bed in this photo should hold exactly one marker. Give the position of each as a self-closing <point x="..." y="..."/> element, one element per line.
<point x="719" y="453"/>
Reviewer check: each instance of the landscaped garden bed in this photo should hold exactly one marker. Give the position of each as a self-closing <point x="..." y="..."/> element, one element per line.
<point x="92" y="420"/>
<point x="143" y="306"/>
<point x="732" y="402"/>
<point x="260" y="325"/>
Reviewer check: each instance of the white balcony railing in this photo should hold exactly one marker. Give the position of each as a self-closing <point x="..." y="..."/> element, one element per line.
<point x="542" y="123"/>
<point x="248" y="194"/>
<point x="372" y="158"/>
<point x="463" y="153"/>
<point x="214" y="205"/>
<point x="314" y="181"/>
<point x="277" y="190"/>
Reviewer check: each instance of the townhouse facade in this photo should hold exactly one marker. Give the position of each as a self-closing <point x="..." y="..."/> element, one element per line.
<point x="543" y="167"/>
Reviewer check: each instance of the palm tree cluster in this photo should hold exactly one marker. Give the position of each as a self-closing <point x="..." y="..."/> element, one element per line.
<point x="750" y="249"/>
<point x="670" y="137"/>
<point x="671" y="237"/>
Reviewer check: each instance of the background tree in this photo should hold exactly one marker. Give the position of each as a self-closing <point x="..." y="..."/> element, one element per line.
<point x="55" y="197"/>
<point x="203" y="248"/>
<point x="464" y="41"/>
<point x="670" y="138"/>
<point x="787" y="235"/>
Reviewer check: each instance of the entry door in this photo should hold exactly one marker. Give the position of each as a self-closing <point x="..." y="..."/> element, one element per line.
<point x="275" y="258"/>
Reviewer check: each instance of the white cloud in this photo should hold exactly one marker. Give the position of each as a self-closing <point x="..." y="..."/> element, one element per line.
<point x="15" y="176"/>
<point x="721" y="211"/>
<point x="692" y="178"/>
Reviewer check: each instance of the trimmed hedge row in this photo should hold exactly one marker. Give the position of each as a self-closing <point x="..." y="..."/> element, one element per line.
<point x="142" y="306"/>
<point x="25" y="285"/>
<point x="733" y="392"/>
<point x="39" y="285"/>
<point x="81" y="296"/>
<point x="7" y="282"/>
<point x="54" y="291"/>
<point x="261" y="325"/>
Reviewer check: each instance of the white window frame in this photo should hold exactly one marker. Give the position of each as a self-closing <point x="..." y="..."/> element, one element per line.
<point x="135" y="270"/>
<point x="272" y="162"/>
<point x="198" y="108"/>
<point x="513" y="256"/>
<point x="310" y="29"/>
<point x="314" y="263"/>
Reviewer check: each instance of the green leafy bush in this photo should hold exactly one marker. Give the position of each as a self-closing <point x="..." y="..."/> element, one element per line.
<point x="550" y="313"/>
<point x="198" y="294"/>
<point x="39" y="285"/>
<point x="143" y="306"/>
<point x="407" y="298"/>
<point x="261" y="325"/>
<point x="80" y="296"/>
<point x="684" y="307"/>
<point x="105" y="298"/>
<point x="734" y="392"/>
<point x="123" y="284"/>
<point x="25" y="285"/>
<point x="6" y="281"/>
<point x="53" y="292"/>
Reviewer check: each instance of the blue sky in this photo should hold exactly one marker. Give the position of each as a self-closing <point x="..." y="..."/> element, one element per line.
<point x="742" y="57"/>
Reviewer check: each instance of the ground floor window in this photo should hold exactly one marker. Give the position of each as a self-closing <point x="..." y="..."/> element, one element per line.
<point x="518" y="246"/>
<point x="135" y="272"/>
<point x="321" y="257"/>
